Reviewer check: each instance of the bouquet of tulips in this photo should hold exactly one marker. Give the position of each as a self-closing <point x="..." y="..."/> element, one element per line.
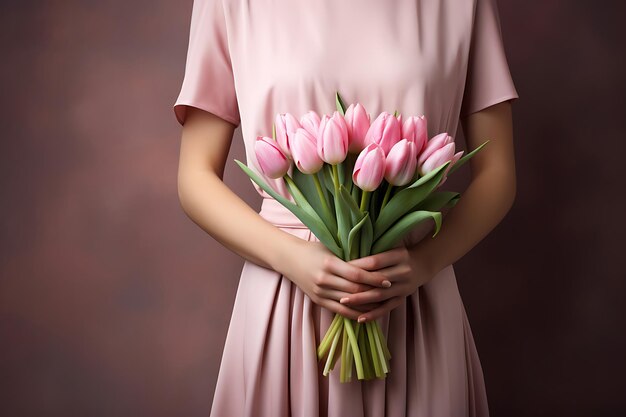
<point x="359" y="187"/>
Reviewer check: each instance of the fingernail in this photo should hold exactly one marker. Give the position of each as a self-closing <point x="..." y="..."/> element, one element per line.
<point x="361" y="319"/>
<point x="386" y="284"/>
<point x="344" y="300"/>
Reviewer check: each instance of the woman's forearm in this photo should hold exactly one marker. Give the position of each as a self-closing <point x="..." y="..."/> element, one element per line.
<point x="481" y="207"/>
<point x="214" y="207"/>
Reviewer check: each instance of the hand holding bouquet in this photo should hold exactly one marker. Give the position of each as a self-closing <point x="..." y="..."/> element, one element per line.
<point x="360" y="187"/>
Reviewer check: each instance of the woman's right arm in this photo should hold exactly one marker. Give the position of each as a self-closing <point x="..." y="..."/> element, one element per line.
<point x="215" y="208"/>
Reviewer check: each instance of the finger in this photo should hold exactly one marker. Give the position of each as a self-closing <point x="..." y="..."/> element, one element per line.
<point x="370" y="296"/>
<point x="331" y="294"/>
<point x="335" y="282"/>
<point x="334" y="306"/>
<point x="379" y="260"/>
<point x="355" y="274"/>
<point x="364" y="308"/>
<point x="380" y="311"/>
<point x="397" y="273"/>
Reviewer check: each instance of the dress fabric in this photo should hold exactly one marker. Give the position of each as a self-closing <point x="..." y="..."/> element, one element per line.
<point x="249" y="60"/>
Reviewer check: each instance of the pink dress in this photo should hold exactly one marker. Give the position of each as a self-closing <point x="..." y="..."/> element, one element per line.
<point x="247" y="61"/>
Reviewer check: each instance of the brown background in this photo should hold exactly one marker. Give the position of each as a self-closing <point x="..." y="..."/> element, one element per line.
<point x="113" y="303"/>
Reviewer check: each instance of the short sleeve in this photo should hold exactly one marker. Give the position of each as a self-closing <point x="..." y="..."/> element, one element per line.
<point x="208" y="83"/>
<point x="488" y="79"/>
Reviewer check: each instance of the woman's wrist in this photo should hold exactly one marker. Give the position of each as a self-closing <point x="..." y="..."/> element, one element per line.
<point x="281" y="248"/>
<point x="430" y="261"/>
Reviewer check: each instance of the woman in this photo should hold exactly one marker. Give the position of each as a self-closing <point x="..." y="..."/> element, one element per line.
<point x="247" y="62"/>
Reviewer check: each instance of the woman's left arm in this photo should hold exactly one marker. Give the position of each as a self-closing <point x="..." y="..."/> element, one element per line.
<point x="481" y="207"/>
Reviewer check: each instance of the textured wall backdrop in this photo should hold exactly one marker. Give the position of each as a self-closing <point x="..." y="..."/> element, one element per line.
<point x="113" y="303"/>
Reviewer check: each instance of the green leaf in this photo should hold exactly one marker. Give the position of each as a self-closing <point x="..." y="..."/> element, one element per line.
<point x="315" y="224"/>
<point x="354" y="233"/>
<point x="341" y="107"/>
<point x="327" y="176"/>
<point x="348" y="200"/>
<point x="438" y="200"/>
<point x="465" y="158"/>
<point x="306" y="185"/>
<point x="300" y="199"/>
<point x="389" y="239"/>
<point x="347" y="168"/>
<point x="367" y="236"/>
<point x="405" y="200"/>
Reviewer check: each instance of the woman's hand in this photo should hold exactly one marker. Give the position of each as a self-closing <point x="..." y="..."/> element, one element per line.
<point x="326" y="279"/>
<point x="403" y="267"/>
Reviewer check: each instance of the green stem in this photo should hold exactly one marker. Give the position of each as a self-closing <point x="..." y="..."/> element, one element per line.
<point x="367" y="356"/>
<point x="330" y="334"/>
<point x="332" y="353"/>
<point x="335" y="178"/>
<point x="357" y="328"/>
<point x="344" y="356"/>
<point x="355" y="347"/>
<point x="386" y="197"/>
<point x="375" y="359"/>
<point x="379" y="347"/>
<point x="383" y="341"/>
<point x="365" y="199"/>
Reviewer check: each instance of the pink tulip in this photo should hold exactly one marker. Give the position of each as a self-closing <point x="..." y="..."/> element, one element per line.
<point x="332" y="139"/>
<point x="358" y="122"/>
<point x="311" y="122"/>
<point x="385" y="131"/>
<point x="414" y="129"/>
<point x="271" y="159"/>
<point x="369" y="168"/>
<point x="286" y="125"/>
<point x="401" y="162"/>
<point x="435" y="143"/>
<point x="304" y="152"/>
<point x="438" y="158"/>
<point x="455" y="158"/>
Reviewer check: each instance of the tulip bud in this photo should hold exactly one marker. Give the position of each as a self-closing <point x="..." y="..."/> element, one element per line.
<point x="311" y="122"/>
<point x="455" y="158"/>
<point x="436" y="159"/>
<point x="385" y="131"/>
<point x="369" y="168"/>
<point x="332" y="139"/>
<point x="358" y="122"/>
<point x="286" y="125"/>
<point x="415" y="130"/>
<point x="272" y="161"/>
<point x="435" y="143"/>
<point x="304" y="152"/>
<point x="401" y="162"/>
